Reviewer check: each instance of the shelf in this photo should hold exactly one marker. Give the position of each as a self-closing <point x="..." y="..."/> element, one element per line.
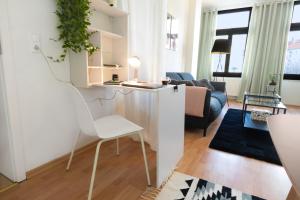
<point x="94" y="67"/>
<point x="106" y="33"/>
<point x="111" y="35"/>
<point x="95" y="83"/>
<point x="102" y="6"/>
<point x="114" y="68"/>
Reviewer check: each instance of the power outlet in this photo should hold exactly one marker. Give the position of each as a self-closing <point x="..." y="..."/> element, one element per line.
<point x="35" y="43"/>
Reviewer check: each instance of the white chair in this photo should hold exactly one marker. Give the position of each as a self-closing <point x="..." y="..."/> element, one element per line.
<point x="106" y="128"/>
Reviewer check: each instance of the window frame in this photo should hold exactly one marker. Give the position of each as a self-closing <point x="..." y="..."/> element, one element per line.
<point x="230" y="32"/>
<point x="294" y="27"/>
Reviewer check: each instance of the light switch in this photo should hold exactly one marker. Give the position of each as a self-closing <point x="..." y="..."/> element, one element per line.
<point x="35" y="43"/>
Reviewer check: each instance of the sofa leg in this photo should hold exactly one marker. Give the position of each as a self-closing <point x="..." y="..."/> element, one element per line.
<point x="204" y="132"/>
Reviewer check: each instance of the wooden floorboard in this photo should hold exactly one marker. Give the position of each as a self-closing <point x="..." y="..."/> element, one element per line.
<point x="5" y="183"/>
<point x="123" y="177"/>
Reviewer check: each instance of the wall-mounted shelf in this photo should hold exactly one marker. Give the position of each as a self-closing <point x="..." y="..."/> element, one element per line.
<point x="111" y="35"/>
<point x="104" y="7"/>
<point x="94" y="67"/>
<point x="110" y="27"/>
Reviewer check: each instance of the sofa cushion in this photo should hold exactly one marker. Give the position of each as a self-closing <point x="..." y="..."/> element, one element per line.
<point x="173" y="76"/>
<point x="180" y="82"/>
<point x="215" y="109"/>
<point x="220" y="96"/>
<point x="186" y="76"/>
<point x="204" y="83"/>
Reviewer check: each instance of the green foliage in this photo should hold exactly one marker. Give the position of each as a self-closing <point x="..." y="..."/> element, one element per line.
<point x="73" y="25"/>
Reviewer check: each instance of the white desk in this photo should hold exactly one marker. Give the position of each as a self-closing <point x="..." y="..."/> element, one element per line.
<point x="165" y="124"/>
<point x="285" y="133"/>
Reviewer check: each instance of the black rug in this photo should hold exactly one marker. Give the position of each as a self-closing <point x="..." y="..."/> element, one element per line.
<point x="232" y="137"/>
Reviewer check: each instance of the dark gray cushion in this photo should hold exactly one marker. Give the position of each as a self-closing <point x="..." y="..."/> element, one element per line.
<point x="219" y="86"/>
<point x="187" y="83"/>
<point x="173" y="76"/>
<point x="204" y="83"/>
<point x="220" y="96"/>
<point x="186" y="76"/>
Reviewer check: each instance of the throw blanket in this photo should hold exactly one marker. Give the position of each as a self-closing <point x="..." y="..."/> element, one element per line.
<point x="195" y="100"/>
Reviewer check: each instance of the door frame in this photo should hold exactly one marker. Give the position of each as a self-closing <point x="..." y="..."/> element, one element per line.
<point x="10" y="90"/>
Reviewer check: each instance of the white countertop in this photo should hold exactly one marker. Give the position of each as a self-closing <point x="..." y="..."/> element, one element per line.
<point x="285" y="133"/>
<point x="135" y="88"/>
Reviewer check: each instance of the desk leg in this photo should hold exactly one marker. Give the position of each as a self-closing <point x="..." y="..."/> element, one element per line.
<point x="293" y="195"/>
<point x="285" y="111"/>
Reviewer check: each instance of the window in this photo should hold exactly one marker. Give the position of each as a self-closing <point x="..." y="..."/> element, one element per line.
<point x="292" y="61"/>
<point x="234" y="26"/>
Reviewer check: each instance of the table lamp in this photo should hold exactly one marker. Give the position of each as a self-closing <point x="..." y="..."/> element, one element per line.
<point x="135" y="63"/>
<point x="221" y="46"/>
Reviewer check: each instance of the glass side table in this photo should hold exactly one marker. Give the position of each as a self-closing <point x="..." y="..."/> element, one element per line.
<point x="266" y="100"/>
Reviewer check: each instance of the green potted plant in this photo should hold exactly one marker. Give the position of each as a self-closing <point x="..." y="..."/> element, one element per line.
<point x="74" y="19"/>
<point x="273" y="79"/>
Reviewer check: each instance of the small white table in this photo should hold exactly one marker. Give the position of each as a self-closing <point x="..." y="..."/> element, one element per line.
<point x="285" y="133"/>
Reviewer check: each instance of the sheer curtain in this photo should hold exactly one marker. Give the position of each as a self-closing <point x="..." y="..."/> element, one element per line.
<point x="147" y="36"/>
<point x="207" y="37"/>
<point x="266" y="45"/>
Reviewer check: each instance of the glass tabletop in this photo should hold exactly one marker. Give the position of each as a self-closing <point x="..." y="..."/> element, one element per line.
<point x="264" y="103"/>
<point x="266" y="95"/>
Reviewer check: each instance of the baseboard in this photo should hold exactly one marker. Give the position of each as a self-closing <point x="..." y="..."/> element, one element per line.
<point x="63" y="159"/>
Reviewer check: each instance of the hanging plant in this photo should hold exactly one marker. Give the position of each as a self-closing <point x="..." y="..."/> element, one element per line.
<point x="74" y="19"/>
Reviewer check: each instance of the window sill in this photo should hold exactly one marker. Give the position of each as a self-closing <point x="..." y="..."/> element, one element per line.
<point x="229" y="75"/>
<point x="291" y="77"/>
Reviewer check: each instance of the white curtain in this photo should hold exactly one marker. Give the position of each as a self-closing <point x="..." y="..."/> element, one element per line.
<point x="207" y="38"/>
<point x="147" y="36"/>
<point x="266" y="45"/>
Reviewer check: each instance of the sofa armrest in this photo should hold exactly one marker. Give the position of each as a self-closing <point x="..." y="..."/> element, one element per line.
<point x="207" y="103"/>
<point x="219" y="86"/>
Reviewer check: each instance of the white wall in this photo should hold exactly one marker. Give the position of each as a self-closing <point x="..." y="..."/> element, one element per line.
<point x="46" y="114"/>
<point x="187" y="14"/>
<point x="193" y="36"/>
<point x="175" y="60"/>
<point x="289" y="91"/>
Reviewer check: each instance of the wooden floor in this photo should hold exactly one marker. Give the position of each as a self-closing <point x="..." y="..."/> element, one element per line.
<point x="123" y="177"/>
<point x="5" y="183"/>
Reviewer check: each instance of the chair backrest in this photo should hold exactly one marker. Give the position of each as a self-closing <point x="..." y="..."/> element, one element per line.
<point x="83" y="114"/>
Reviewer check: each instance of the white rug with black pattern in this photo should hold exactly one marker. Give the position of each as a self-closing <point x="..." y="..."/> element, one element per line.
<point x="183" y="187"/>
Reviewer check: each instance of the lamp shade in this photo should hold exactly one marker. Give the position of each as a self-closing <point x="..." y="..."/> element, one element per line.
<point x="134" y="62"/>
<point x="221" y="46"/>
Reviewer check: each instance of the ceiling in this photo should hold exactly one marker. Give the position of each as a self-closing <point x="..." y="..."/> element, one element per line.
<point x="227" y="4"/>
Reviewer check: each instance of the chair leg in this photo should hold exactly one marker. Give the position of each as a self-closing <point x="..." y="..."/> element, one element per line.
<point x="72" y="151"/>
<point x="145" y="159"/>
<point x="118" y="143"/>
<point x="94" y="169"/>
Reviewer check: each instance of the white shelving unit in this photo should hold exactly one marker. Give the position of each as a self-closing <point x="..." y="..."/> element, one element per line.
<point x="104" y="7"/>
<point x="110" y="27"/>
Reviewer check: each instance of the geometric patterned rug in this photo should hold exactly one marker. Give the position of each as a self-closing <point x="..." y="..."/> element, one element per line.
<point x="184" y="187"/>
